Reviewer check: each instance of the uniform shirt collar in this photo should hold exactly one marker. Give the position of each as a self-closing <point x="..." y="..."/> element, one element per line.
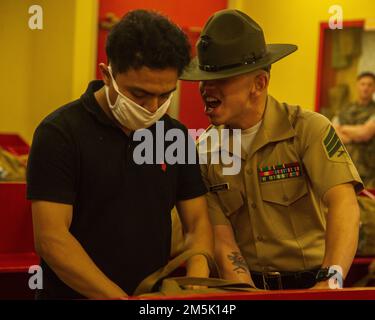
<point x="276" y="126"/>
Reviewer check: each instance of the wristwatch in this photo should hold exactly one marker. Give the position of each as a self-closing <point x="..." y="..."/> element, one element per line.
<point x="324" y="274"/>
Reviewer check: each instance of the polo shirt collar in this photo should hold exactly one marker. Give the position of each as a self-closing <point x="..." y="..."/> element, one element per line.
<point x="92" y="106"/>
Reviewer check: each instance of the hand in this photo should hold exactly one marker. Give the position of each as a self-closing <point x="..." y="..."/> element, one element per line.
<point x="118" y="294"/>
<point x="340" y="130"/>
<point x="194" y="287"/>
<point x="124" y="297"/>
<point x="197" y="266"/>
<point x="322" y="285"/>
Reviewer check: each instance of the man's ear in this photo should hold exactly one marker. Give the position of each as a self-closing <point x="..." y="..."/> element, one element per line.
<point x="260" y="83"/>
<point x="105" y="74"/>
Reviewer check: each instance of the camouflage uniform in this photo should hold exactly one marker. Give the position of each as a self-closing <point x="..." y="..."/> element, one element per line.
<point x="362" y="153"/>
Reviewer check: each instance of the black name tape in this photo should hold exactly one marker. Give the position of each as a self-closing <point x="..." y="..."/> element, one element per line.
<point x="219" y="187"/>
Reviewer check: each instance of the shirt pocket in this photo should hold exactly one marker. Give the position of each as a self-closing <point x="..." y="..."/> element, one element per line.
<point x="230" y="201"/>
<point x="284" y="192"/>
<point x="284" y="205"/>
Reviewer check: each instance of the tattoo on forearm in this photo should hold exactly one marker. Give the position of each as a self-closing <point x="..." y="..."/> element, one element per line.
<point x="238" y="262"/>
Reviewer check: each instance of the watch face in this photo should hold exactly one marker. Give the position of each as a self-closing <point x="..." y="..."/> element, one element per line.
<point x="325" y="274"/>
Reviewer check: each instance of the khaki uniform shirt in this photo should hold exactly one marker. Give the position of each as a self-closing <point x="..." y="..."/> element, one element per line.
<point x="274" y="202"/>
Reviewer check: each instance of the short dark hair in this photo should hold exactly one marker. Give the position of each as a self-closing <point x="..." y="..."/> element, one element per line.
<point x="145" y="38"/>
<point x="366" y="74"/>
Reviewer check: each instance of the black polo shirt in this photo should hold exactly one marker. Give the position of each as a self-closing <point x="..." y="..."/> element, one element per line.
<point x="121" y="210"/>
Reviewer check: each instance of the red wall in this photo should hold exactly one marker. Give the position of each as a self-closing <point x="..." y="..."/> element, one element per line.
<point x="186" y="14"/>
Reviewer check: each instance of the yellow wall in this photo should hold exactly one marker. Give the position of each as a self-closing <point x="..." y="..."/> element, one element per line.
<point x="293" y="79"/>
<point x="43" y="69"/>
<point x="85" y="45"/>
<point x="15" y="65"/>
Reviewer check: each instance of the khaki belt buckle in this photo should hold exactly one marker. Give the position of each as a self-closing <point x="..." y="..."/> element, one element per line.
<point x="271" y="275"/>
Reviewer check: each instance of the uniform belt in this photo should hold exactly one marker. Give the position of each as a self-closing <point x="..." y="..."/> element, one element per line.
<point x="274" y="280"/>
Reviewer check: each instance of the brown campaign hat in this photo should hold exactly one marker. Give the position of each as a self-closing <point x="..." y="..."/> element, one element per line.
<point x="230" y="44"/>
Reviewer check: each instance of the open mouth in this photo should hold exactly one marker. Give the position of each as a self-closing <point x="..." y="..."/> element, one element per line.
<point x="211" y="103"/>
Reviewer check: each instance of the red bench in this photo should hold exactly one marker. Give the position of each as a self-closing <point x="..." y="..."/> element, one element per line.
<point x="342" y="294"/>
<point x="14" y="144"/>
<point x="17" y="252"/>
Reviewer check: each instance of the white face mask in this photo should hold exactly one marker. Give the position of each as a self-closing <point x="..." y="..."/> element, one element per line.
<point x="130" y="114"/>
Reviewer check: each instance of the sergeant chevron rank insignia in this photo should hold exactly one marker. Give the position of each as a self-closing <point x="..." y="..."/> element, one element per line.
<point x="333" y="146"/>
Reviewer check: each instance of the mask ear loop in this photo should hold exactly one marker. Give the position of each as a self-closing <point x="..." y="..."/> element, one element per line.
<point x="115" y="86"/>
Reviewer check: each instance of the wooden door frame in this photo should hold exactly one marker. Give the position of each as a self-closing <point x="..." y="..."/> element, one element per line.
<point x="319" y="79"/>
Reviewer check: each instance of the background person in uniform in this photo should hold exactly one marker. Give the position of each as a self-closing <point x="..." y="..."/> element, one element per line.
<point x="291" y="213"/>
<point x="355" y="125"/>
<point x="102" y="222"/>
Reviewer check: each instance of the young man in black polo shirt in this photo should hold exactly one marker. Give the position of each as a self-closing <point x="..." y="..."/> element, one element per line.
<point x="102" y="222"/>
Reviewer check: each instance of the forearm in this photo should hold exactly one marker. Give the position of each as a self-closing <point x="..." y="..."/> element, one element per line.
<point x="200" y="238"/>
<point x="232" y="265"/>
<point x="341" y="234"/>
<point x="68" y="259"/>
<point x="342" y="135"/>
<point x="359" y="133"/>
